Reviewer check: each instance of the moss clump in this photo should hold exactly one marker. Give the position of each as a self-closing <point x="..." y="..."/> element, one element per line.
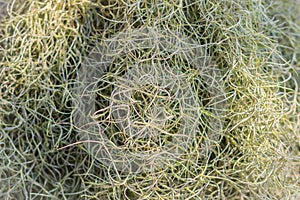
<point x="253" y="45"/>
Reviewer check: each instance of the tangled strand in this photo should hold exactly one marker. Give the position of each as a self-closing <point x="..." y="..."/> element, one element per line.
<point x="245" y="137"/>
<point x="148" y="115"/>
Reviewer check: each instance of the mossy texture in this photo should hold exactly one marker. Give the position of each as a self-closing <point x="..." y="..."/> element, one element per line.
<point x="244" y="99"/>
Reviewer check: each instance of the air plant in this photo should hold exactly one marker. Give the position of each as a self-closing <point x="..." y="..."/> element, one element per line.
<point x="149" y="99"/>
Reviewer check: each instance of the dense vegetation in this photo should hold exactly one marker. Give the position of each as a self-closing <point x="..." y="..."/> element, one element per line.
<point x="223" y="74"/>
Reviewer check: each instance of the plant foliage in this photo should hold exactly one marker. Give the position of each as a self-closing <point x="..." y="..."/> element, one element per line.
<point x="243" y="137"/>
